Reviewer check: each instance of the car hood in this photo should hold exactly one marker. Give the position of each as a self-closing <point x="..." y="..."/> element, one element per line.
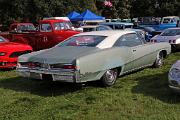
<point x="166" y="38"/>
<point x="11" y="46"/>
<point x="58" y="54"/>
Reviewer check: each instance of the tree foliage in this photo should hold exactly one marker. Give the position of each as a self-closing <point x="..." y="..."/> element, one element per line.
<point x="34" y="10"/>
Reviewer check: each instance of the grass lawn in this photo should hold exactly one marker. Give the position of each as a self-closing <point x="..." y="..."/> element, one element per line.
<point x="137" y="96"/>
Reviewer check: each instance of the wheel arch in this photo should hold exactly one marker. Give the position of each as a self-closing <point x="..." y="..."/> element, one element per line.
<point x="164" y="52"/>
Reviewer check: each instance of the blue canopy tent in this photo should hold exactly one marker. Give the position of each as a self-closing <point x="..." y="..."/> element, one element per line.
<point x="73" y="15"/>
<point x="88" y="16"/>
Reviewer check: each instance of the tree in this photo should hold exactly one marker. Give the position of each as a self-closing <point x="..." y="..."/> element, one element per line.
<point x="142" y="8"/>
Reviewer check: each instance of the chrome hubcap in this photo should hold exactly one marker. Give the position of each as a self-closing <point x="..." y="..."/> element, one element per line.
<point x="160" y="61"/>
<point x="111" y="75"/>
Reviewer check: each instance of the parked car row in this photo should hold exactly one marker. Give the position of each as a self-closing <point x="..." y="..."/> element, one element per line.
<point x="102" y="55"/>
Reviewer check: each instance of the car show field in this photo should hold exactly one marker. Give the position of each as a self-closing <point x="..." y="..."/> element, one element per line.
<point x="140" y="95"/>
<point x="90" y="60"/>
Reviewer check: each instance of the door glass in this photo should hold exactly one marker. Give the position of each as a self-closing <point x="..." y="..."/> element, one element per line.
<point x="45" y="27"/>
<point x="62" y="26"/>
<point x="129" y="40"/>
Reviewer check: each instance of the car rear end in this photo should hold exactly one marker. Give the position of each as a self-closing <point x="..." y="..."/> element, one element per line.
<point x="63" y="72"/>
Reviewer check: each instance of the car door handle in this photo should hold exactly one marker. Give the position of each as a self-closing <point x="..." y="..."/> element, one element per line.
<point x="134" y="50"/>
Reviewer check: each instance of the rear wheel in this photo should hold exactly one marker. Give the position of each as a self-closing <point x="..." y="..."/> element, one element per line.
<point x="159" y="60"/>
<point x="109" y="78"/>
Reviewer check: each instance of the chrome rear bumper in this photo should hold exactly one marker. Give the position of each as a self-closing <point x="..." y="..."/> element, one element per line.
<point x="57" y="75"/>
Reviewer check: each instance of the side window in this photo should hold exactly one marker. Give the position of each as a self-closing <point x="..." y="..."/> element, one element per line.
<point x="129" y="40"/>
<point x="59" y="26"/>
<point x="141" y="35"/>
<point x="67" y="25"/>
<point x="120" y="42"/>
<point x="46" y="27"/>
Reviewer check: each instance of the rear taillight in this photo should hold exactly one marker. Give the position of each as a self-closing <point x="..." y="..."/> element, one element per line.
<point x="22" y="64"/>
<point x="153" y="41"/>
<point x="32" y="65"/>
<point x="172" y="41"/>
<point x="69" y="67"/>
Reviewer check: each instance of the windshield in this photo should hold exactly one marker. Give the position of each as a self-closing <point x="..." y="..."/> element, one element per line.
<point x="171" y="32"/>
<point x="26" y="27"/>
<point x="62" y="25"/>
<point x="2" y="39"/>
<point x="83" y="40"/>
<point x="166" y="20"/>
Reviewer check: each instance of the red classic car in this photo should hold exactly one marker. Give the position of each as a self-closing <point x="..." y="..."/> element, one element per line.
<point x="9" y="52"/>
<point x="50" y="32"/>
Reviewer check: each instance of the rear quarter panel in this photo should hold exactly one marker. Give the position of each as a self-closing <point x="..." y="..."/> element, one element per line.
<point x="94" y="65"/>
<point x="157" y="47"/>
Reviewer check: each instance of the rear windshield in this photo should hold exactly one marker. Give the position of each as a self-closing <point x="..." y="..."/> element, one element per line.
<point x="171" y="32"/>
<point x="83" y="40"/>
<point x="26" y="27"/>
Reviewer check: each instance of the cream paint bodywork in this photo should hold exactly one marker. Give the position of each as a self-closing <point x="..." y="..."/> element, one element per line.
<point x="93" y="62"/>
<point x="93" y="66"/>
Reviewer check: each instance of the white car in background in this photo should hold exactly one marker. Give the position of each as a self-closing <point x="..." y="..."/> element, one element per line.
<point x="171" y="35"/>
<point x="174" y="76"/>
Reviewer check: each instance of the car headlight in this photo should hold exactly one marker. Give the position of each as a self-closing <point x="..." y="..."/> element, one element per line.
<point x="175" y="73"/>
<point x="2" y="53"/>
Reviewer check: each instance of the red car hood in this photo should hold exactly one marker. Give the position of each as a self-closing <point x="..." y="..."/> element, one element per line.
<point x="11" y="46"/>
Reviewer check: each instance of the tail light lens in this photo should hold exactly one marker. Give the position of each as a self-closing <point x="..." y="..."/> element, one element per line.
<point x="35" y="64"/>
<point x="153" y="41"/>
<point x="63" y="66"/>
<point x="23" y="64"/>
<point x="69" y="67"/>
<point x="31" y="65"/>
<point x="172" y="41"/>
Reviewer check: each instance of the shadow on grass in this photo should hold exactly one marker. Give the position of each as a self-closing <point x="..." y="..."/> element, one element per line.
<point x="43" y="88"/>
<point x="157" y="87"/>
<point x="7" y="69"/>
<point x="38" y="87"/>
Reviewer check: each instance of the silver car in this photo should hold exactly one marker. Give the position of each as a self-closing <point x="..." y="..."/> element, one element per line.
<point x="174" y="76"/>
<point x="170" y="35"/>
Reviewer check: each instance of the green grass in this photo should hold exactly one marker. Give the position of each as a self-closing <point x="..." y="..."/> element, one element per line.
<point x="137" y="96"/>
